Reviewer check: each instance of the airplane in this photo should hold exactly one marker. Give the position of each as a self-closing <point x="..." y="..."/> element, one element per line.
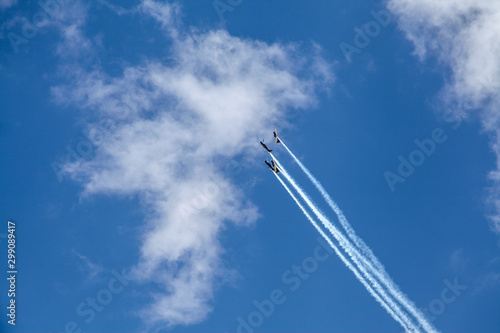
<point x="276" y="136"/>
<point x="272" y="166"/>
<point x="275" y="166"/>
<point x="264" y="145"/>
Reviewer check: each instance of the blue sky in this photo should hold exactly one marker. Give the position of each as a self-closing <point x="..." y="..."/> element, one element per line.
<point x="131" y="164"/>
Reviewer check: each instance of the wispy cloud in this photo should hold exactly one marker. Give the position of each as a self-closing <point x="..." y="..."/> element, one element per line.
<point x="464" y="36"/>
<point x="4" y="4"/>
<point x="67" y="17"/>
<point x="458" y="261"/>
<point x="487" y="283"/>
<point x="177" y="125"/>
<point x="86" y="266"/>
<point x="166" y="15"/>
<point x="70" y="20"/>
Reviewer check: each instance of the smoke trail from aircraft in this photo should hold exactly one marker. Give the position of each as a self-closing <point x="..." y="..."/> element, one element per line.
<point x="350" y="250"/>
<point x="343" y="258"/>
<point x="343" y="220"/>
<point x="379" y="269"/>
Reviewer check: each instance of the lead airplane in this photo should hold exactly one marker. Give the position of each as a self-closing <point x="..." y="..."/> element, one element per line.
<point x="276" y="136"/>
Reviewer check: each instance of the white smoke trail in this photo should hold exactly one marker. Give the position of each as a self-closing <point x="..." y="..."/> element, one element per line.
<point x="350" y="250"/>
<point x="343" y="220"/>
<point x="343" y="258"/>
<point x="379" y="269"/>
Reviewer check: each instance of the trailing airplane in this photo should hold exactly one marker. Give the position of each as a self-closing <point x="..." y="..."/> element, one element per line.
<point x="272" y="166"/>
<point x="276" y="136"/>
<point x="264" y="145"/>
<point x="275" y="166"/>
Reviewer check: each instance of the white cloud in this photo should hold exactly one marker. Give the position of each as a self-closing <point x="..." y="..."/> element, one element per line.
<point x="67" y="17"/>
<point x="175" y="127"/>
<point x="70" y="18"/>
<point x="487" y="282"/>
<point x="4" y="4"/>
<point x="458" y="260"/>
<point x="464" y="35"/>
<point x="165" y="14"/>
<point x="86" y="266"/>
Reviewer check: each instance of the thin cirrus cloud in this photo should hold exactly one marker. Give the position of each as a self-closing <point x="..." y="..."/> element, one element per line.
<point x="4" y="4"/>
<point x="465" y="36"/>
<point x="173" y="124"/>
